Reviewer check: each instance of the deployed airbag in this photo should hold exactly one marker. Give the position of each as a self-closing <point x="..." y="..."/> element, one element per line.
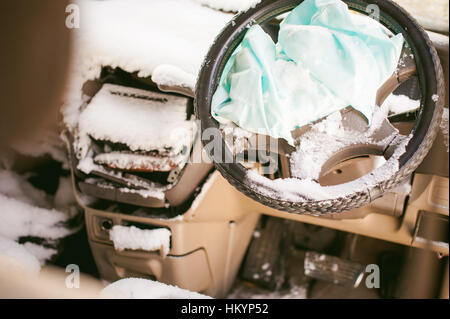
<point x="326" y="59"/>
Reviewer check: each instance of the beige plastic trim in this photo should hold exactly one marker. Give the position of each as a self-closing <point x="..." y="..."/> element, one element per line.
<point x="207" y="244"/>
<point x="428" y="193"/>
<point x="437" y="160"/>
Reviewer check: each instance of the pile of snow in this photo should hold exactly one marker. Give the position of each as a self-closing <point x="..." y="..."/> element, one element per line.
<point x="157" y="193"/>
<point x="133" y="183"/>
<point x="400" y="104"/>
<point x="138" y="162"/>
<point x="327" y="137"/>
<point x="131" y="237"/>
<point x="438" y="39"/>
<point x="302" y="190"/>
<point x="137" y="288"/>
<point x="19" y="257"/>
<point x="150" y="191"/>
<point x="142" y="120"/>
<point x="173" y="76"/>
<point x="19" y="219"/>
<point x="29" y="212"/>
<point x="16" y="186"/>
<point x="230" y="5"/>
<point x="139" y="36"/>
<point x="42" y="253"/>
<point x="236" y="138"/>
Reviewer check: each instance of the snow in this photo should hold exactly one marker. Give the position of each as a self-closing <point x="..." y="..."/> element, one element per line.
<point x="15" y="186"/>
<point x="236" y="138"/>
<point x="87" y="165"/>
<point x="438" y="39"/>
<point x="128" y="161"/>
<point x="138" y="36"/>
<point x="140" y="119"/>
<point x="152" y="191"/>
<point x="230" y="5"/>
<point x="291" y="189"/>
<point x="444" y="126"/>
<point x="27" y="211"/>
<point x="131" y="237"/>
<point x="310" y="155"/>
<point x="40" y="252"/>
<point x="18" y="219"/>
<point x="137" y="288"/>
<point x="130" y="180"/>
<point x="231" y="128"/>
<point x="435" y="97"/>
<point x="146" y="193"/>
<point x="403" y="188"/>
<point x="173" y="76"/>
<point x="301" y="190"/>
<point x="400" y="104"/>
<point x="20" y="256"/>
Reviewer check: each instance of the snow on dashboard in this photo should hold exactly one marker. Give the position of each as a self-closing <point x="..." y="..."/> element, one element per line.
<point x="166" y="39"/>
<point x="230" y="5"/>
<point x="126" y="161"/>
<point x="304" y="186"/>
<point x="137" y="288"/>
<point x="131" y="237"/>
<point x="301" y="190"/>
<point x="310" y="155"/>
<point x="138" y="36"/>
<point x="142" y="120"/>
<point x="173" y="76"/>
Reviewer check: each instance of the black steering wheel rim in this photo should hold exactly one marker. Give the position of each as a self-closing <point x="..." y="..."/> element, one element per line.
<point x="423" y="134"/>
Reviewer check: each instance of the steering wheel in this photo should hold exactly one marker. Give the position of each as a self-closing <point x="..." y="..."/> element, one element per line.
<point x="403" y="154"/>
